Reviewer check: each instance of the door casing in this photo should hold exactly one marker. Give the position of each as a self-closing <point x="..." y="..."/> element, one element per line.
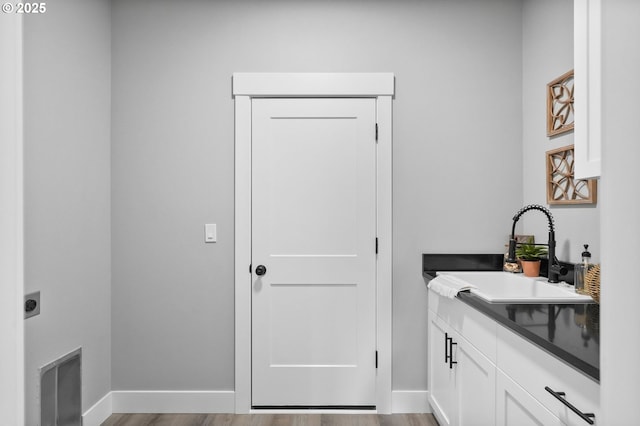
<point x="254" y="85"/>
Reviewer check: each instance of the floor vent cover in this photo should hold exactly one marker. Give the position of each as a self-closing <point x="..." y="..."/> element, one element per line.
<point x="60" y="391"/>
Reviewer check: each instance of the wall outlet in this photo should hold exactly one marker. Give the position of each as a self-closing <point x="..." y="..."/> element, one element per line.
<point x="32" y="305"/>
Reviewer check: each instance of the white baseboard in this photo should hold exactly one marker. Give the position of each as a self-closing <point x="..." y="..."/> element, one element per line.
<point x="210" y="402"/>
<point x="173" y="402"/>
<point x="410" y="402"/>
<point x="100" y="412"/>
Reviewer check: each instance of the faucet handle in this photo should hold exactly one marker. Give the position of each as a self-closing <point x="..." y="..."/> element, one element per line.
<point x="557" y="268"/>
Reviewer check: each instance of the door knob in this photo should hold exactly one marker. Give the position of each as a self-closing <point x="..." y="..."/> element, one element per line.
<point x="261" y="270"/>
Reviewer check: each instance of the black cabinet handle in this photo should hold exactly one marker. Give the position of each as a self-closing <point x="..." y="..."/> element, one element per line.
<point x="448" y="350"/>
<point x="451" y="361"/>
<point x="446" y="347"/>
<point x="560" y="396"/>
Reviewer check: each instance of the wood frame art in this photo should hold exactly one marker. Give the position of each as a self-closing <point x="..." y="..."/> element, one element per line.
<point x="560" y="117"/>
<point x="562" y="188"/>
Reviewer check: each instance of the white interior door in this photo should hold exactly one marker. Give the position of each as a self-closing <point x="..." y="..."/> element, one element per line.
<point x="313" y="230"/>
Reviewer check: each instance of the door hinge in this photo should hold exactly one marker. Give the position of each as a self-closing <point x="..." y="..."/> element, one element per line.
<point x="376" y="245"/>
<point x="249" y="268"/>
<point x="376" y="132"/>
<point x="376" y="359"/>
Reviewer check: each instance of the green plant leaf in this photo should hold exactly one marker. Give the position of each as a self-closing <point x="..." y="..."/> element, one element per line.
<point x="531" y="252"/>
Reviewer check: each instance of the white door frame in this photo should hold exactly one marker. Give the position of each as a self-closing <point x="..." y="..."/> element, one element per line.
<point x="11" y="222"/>
<point x="254" y="85"/>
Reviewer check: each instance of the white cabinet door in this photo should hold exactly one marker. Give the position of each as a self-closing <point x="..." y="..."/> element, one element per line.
<point x="441" y="377"/>
<point x="475" y="384"/>
<point x="515" y="406"/>
<point x="587" y="88"/>
<point x="461" y="379"/>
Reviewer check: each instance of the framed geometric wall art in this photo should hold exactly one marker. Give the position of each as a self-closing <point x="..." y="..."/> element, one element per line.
<point x="560" y="104"/>
<point x="562" y="188"/>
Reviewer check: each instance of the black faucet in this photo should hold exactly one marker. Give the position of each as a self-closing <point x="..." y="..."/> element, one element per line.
<point x="554" y="269"/>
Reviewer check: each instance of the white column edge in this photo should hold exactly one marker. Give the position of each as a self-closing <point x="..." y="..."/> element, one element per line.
<point x="12" y="399"/>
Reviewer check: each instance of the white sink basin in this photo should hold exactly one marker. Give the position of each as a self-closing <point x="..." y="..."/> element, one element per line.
<point x="506" y="287"/>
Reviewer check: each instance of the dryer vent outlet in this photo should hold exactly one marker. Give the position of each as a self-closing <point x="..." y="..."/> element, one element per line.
<point x="60" y="391"/>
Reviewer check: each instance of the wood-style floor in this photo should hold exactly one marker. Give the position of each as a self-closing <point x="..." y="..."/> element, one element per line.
<point x="270" y="420"/>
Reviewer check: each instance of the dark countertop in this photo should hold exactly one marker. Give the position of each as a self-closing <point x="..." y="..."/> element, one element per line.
<point x="571" y="332"/>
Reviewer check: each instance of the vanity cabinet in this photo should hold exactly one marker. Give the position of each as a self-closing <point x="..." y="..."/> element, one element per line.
<point x="482" y="373"/>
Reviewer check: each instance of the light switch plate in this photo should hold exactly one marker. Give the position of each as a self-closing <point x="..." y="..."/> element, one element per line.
<point x="210" y="233"/>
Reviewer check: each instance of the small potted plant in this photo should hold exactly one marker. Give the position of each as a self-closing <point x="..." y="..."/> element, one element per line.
<point x="530" y="256"/>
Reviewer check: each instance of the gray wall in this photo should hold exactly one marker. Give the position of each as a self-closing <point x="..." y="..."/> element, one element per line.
<point x="457" y="157"/>
<point x="67" y="192"/>
<point x="547" y="29"/>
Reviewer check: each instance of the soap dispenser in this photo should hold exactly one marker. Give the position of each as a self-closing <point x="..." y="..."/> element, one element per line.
<point x="581" y="271"/>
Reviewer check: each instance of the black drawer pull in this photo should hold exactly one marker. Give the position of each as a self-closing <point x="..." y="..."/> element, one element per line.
<point x="560" y="396"/>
